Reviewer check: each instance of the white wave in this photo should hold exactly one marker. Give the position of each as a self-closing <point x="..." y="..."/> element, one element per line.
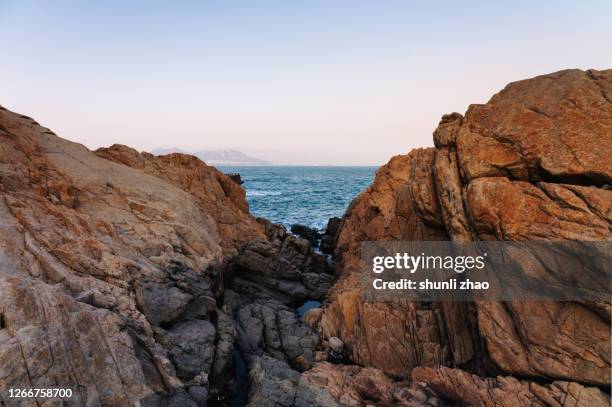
<point x="262" y="193"/>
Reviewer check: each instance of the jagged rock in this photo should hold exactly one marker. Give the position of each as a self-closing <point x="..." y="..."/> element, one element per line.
<point x="179" y="399"/>
<point x="219" y="196"/>
<point x="328" y="385"/>
<point x="533" y="163"/>
<point x="308" y="233"/>
<point x="339" y="385"/>
<point x="333" y="226"/>
<point x="273" y="328"/>
<point x="161" y="303"/>
<point x="272" y="382"/>
<point x="284" y="269"/>
<point x="376" y="334"/>
<point x="327" y="244"/>
<point x="121" y="272"/>
<point x="199" y="394"/>
<point x="224" y="350"/>
<point x="328" y="240"/>
<point x="100" y="250"/>
<point x="191" y="347"/>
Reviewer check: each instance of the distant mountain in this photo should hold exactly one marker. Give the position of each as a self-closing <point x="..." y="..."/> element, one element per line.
<point x="216" y="157"/>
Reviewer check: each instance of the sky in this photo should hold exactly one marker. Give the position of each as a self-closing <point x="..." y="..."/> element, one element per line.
<point x="292" y="82"/>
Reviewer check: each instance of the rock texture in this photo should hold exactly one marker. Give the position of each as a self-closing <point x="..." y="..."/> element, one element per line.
<point x="534" y="163"/>
<point x="280" y="267"/>
<point x="142" y="280"/>
<point x="112" y="271"/>
<point x="460" y="387"/>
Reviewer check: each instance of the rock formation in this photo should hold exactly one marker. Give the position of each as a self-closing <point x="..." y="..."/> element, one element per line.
<point x="534" y="163"/>
<point x="112" y="271"/>
<point x="142" y="280"/>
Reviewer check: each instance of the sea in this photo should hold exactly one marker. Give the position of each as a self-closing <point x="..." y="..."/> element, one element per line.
<point x="305" y="195"/>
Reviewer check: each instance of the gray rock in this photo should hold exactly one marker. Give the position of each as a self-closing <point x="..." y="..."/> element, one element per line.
<point x="286" y="270"/>
<point x="161" y="302"/>
<point x="273" y="328"/>
<point x="272" y="382"/>
<point x="199" y="394"/>
<point x="191" y="347"/>
<point x="226" y="335"/>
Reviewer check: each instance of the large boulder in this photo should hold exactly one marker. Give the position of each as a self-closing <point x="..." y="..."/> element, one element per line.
<point x="110" y="268"/>
<point x="534" y="163"/>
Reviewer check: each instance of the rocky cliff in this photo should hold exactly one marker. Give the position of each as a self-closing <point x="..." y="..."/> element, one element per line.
<point x="134" y="279"/>
<point x="142" y="280"/>
<point x="109" y="264"/>
<point x="534" y="163"/>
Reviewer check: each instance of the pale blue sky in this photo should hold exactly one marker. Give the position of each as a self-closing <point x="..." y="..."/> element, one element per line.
<point x="291" y="82"/>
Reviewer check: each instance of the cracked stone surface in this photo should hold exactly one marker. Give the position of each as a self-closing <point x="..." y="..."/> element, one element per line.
<point x="109" y="265"/>
<point x="534" y="163"/>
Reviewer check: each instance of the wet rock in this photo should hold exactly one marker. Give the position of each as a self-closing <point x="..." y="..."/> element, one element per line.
<point x="308" y="233"/>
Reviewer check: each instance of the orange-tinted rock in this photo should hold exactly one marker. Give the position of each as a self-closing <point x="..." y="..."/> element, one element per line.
<point x="223" y="199"/>
<point x="534" y="163"/>
<point x="340" y="385"/>
<point x="392" y="208"/>
<point x="465" y="389"/>
<point x="96" y="256"/>
<point x="555" y="127"/>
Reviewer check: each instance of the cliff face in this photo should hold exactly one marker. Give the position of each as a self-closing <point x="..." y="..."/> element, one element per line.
<point x="534" y="163"/>
<point x="98" y="251"/>
<point x="136" y="280"/>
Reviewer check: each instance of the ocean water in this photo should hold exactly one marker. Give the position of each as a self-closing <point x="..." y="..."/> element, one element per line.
<point x="305" y="195"/>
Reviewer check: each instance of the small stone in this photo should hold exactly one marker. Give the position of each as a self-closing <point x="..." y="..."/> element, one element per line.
<point x="336" y="344"/>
